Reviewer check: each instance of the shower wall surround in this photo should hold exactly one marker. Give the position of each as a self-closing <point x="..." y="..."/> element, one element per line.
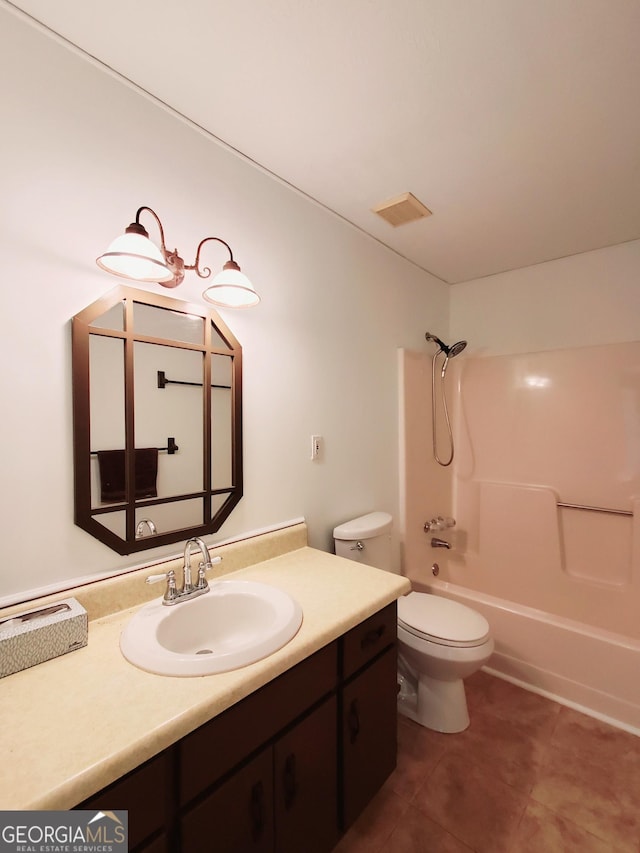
<point x="534" y="431"/>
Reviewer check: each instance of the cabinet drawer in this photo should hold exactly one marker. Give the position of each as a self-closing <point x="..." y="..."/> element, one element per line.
<point x="219" y="745"/>
<point x="368" y="639"/>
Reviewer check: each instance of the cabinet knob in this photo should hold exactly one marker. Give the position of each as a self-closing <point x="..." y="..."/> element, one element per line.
<point x="353" y="721"/>
<point x="289" y="784"/>
<point x="372" y="637"/>
<point x="256" y="810"/>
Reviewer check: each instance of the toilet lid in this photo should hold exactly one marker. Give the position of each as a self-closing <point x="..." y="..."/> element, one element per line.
<point x="441" y="620"/>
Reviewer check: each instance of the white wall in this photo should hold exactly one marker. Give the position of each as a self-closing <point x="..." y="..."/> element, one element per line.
<point x="79" y="152"/>
<point x="583" y="300"/>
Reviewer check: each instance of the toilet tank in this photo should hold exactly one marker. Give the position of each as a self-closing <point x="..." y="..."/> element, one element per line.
<point x="366" y="539"/>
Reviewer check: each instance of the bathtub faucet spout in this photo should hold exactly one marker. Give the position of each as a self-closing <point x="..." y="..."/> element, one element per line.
<point x="439" y="543"/>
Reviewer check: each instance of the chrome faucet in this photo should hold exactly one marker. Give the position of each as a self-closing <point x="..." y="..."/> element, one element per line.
<point x="201" y="585"/>
<point x="439" y="543"/>
<point x="172" y="594"/>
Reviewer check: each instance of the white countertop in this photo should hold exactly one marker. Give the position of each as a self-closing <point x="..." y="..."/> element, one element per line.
<point x="72" y="725"/>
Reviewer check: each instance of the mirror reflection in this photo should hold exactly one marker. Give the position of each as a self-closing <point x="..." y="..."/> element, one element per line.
<point x="176" y="408"/>
<point x="157" y="420"/>
<point x="221" y="421"/>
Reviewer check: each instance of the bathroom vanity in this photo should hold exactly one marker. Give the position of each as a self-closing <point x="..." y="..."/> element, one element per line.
<point x="286" y="769"/>
<point x="280" y="755"/>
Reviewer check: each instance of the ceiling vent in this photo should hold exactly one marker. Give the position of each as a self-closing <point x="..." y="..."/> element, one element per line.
<point x="402" y="209"/>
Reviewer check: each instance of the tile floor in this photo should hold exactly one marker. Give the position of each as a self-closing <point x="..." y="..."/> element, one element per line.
<point x="528" y="776"/>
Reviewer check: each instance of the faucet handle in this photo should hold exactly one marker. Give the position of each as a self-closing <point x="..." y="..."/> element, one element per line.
<point x="439" y="523"/>
<point x="203" y="568"/>
<point x="171" y="592"/>
<point x="157" y="578"/>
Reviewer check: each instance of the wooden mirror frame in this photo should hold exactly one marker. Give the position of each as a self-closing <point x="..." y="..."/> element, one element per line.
<point x="87" y="516"/>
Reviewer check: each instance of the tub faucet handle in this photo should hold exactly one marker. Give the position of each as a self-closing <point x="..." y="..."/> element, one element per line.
<point x="439" y="523"/>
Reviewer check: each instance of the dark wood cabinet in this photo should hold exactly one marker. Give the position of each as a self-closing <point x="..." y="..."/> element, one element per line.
<point x="238" y="816"/>
<point x="162" y="844"/>
<point x="305" y="773"/>
<point x="285" y="770"/>
<point x="369" y="732"/>
<point x="284" y="799"/>
<point x="230" y="738"/>
<point x="367" y="739"/>
<point x="367" y="640"/>
<point x="146" y="794"/>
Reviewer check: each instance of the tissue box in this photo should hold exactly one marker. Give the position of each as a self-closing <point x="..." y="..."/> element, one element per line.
<point x="29" y="638"/>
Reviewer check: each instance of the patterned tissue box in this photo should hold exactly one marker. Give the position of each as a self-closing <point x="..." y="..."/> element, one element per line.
<point x="34" y="636"/>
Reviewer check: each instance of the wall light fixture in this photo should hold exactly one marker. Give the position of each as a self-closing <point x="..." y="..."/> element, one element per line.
<point x="134" y="256"/>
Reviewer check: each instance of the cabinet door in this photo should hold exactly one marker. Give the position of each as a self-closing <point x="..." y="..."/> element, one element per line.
<point x="145" y="794"/>
<point x="238" y="816"/>
<point x="368" y="733"/>
<point x="159" y="845"/>
<point x="218" y="746"/>
<point x="305" y="787"/>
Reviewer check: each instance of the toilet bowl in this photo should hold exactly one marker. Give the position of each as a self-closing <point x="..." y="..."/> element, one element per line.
<point x="440" y="642"/>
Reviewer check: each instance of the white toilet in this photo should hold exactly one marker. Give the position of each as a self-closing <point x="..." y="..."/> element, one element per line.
<point x="440" y="642"/>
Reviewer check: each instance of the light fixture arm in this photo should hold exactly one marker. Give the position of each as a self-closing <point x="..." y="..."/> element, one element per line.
<point x="163" y="247"/>
<point x="172" y="259"/>
<point x="205" y="272"/>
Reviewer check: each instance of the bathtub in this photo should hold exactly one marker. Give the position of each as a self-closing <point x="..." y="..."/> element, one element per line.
<point x="593" y="670"/>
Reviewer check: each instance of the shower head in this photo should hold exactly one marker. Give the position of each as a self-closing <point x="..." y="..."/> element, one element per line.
<point x="456" y="349"/>
<point x="450" y="352"/>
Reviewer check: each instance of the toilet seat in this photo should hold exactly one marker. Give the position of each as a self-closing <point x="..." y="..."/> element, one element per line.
<point x="442" y="621"/>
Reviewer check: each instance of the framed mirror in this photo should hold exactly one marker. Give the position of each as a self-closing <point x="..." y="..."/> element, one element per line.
<point x="157" y="420"/>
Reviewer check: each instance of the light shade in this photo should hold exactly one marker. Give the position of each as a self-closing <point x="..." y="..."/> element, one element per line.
<point x="135" y="256"/>
<point x="230" y="288"/>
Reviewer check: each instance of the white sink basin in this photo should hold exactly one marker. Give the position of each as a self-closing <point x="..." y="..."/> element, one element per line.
<point x="234" y="624"/>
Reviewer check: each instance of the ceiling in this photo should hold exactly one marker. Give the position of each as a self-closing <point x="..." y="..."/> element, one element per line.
<point x="516" y="123"/>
